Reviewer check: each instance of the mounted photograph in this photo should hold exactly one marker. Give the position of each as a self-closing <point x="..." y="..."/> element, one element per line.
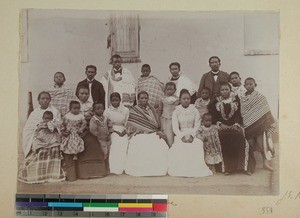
<point x="148" y="102"/>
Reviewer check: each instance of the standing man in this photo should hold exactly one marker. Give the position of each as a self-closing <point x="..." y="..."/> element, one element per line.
<point x="97" y="93"/>
<point x="151" y="85"/>
<point x="214" y="78"/>
<point x="119" y="79"/>
<point x="182" y="81"/>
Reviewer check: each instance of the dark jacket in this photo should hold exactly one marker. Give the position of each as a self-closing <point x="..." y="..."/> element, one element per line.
<point x="208" y="81"/>
<point x="97" y="90"/>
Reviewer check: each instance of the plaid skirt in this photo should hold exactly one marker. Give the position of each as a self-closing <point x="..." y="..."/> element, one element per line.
<point x="42" y="166"/>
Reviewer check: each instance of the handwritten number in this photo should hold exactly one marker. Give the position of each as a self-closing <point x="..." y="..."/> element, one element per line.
<point x="267" y="210"/>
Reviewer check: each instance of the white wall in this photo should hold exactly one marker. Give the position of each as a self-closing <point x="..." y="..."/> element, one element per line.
<point x="67" y="41"/>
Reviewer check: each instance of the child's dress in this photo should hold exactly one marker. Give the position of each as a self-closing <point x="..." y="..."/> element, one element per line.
<point x="202" y="106"/>
<point x="211" y="144"/>
<point x="46" y="136"/>
<point x="169" y="104"/>
<point x="73" y="143"/>
<point x="101" y="128"/>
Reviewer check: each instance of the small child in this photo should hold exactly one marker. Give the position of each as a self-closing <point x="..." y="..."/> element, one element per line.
<point x="46" y="135"/>
<point x="236" y="86"/>
<point x="258" y="122"/>
<point x="73" y="126"/>
<point x="208" y="133"/>
<point x="100" y="126"/>
<point x="202" y="103"/>
<point x="166" y="107"/>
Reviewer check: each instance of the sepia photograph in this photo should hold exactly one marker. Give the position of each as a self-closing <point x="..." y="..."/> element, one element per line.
<point x="148" y="102"/>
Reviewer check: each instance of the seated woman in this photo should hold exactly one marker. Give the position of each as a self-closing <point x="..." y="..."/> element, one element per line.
<point x="42" y="161"/>
<point x="225" y="111"/>
<point x="90" y="163"/>
<point x="147" y="151"/>
<point x="186" y="156"/>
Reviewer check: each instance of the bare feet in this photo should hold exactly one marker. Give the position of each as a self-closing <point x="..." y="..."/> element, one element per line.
<point x="226" y="174"/>
<point x="267" y="167"/>
<point x="248" y="173"/>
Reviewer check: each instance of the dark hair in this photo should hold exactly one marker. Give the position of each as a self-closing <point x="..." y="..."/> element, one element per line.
<point x="250" y="78"/>
<point x="61" y="74"/>
<point x="91" y="66"/>
<point x="115" y="56"/>
<point x="83" y="87"/>
<point x="234" y="73"/>
<point x="225" y="84"/>
<point x="142" y="92"/>
<point x="174" y="63"/>
<point x="48" y="113"/>
<point x="146" y="66"/>
<point x="72" y="103"/>
<point x="96" y="103"/>
<point x="170" y="84"/>
<point x="205" y="88"/>
<point x="43" y="92"/>
<point x="214" y="57"/>
<point x="206" y="115"/>
<point x="115" y="94"/>
<point x="183" y="91"/>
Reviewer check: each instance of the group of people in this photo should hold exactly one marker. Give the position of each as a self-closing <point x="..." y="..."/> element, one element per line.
<point x="146" y="128"/>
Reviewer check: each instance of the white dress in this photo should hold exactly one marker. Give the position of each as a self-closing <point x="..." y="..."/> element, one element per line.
<point x="147" y="156"/>
<point x="187" y="159"/>
<point x="118" y="150"/>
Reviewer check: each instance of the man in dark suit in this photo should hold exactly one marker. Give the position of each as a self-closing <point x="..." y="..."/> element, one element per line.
<point x="97" y="92"/>
<point x="214" y="78"/>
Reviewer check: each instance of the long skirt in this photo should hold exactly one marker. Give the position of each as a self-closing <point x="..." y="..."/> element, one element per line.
<point x="90" y="163"/>
<point x="187" y="159"/>
<point x="147" y="156"/>
<point x="42" y="166"/>
<point x="235" y="150"/>
<point x="118" y="152"/>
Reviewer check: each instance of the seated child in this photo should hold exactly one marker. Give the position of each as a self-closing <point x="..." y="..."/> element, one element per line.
<point x="166" y="107"/>
<point x="46" y="135"/>
<point x="258" y="122"/>
<point x="208" y="133"/>
<point x="73" y="126"/>
<point x="100" y="126"/>
<point x="202" y="103"/>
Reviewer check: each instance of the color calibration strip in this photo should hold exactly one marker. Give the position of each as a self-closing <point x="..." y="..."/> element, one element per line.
<point x="52" y="205"/>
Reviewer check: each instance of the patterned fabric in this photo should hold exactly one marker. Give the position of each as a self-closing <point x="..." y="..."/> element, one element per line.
<point x="256" y="113"/>
<point x="42" y="166"/>
<point x="45" y="137"/>
<point x="202" y="106"/>
<point x="73" y="143"/>
<point x="238" y="90"/>
<point x="153" y="87"/>
<point x="185" y="121"/>
<point x="123" y="83"/>
<point x="142" y="120"/>
<point x="211" y="144"/>
<point x="31" y="125"/>
<point x="61" y="97"/>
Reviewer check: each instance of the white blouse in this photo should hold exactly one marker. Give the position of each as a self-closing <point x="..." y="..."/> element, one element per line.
<point x="185" y="121"/>
<point x="118" y="117"/>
